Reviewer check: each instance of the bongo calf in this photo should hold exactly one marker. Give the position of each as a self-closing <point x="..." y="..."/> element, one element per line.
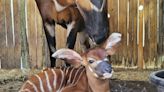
<point x="90" y="71"/>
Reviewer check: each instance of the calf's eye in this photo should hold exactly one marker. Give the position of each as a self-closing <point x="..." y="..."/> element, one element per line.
<point x="91" y="61"/>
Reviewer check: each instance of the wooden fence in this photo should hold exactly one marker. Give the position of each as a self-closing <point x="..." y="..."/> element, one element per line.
<point x="23" y="42"/>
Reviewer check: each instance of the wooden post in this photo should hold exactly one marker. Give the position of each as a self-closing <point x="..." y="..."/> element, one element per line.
<point x="140" y="33"/>
<point x="24" y="43"/>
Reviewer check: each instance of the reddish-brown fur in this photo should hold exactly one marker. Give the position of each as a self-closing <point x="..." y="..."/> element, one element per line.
<point x="92" y="76"/>
<point x="49" y="13"/>
<point x="82" y="79"/>
<point x="66" y="85"/>
<point x="51" y="17"/>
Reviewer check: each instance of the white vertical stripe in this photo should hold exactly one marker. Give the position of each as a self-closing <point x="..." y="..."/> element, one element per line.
<point x="67" y="71"/>
<point x="81" y="73"/>
<point x="73" y="81"/>
<point x="55" y="78"/>
<point x="41" y="83"/>
<point x="143" y="30"/>
<point x="12" y="21"/>
<point x="26" y="13"/>
<point x="62" y="79"/>
<point x="33" y="85"/>
<point x="128" y="23"/>
<point x="48" y="82"/>
<point x="70" y="75"/>
<point x="128" y="38"/>
<point x="21" y="63"/>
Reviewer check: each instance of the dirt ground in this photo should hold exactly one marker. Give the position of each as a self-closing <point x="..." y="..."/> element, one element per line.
<point x="122" y="80"/>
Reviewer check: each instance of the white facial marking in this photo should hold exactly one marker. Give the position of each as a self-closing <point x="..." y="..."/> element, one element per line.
<point x="90" y="69"/>
<point x="69" y="27"/>
<point x="106" y="59"/>
<point x="93" y="72"/>
<point x="97" y="9"/>
<point x="58" y="7"/>
<point x="95" y="75"/>
<point x="107" y="75"/>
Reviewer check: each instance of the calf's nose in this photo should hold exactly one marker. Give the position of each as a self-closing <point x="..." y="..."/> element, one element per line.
<point x="104" y="67"/>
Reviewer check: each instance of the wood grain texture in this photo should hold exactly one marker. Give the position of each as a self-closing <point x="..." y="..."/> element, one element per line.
<point x="139" y="47"/>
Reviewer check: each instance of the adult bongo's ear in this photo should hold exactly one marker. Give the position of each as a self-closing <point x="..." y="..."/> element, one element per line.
<point x="112" y="43"/>
<point x="69" y="56"/>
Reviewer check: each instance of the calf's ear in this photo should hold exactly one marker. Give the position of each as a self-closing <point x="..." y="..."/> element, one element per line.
<point x="69" y="56"/>
<point x="112" y="43"/>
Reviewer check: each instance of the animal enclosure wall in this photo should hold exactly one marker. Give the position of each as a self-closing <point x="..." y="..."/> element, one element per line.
<point x="140" y="22"/>
<point x="23" y="42"/>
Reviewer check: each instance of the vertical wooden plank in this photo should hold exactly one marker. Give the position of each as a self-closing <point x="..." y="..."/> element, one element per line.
<point x="113" y="11"/>
<point x="17" y="47"/>
<point x="133" y="28"/>
<point x="40" y="49"/>
<point x="140" y="36"/>
<point x="113" y="23"/>
<point x="2" y="32"/>
<point x="130" y="34"/>
<point x="123" y="29"/>
<point x="147" y="32"/>
<point x="24" y="42"/>
<point x="160" y="28"/>
<point x="60" y="39"/>
<point x="9" y="50"/>
<point x="161" y="34"/>
<point x="32" y="33"/>
<point x="2" y="24"/>
<point x="153" y="31"/>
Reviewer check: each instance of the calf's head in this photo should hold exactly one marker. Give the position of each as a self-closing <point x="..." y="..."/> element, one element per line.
<point x="95" y="59"/>
<point x="95" y="16"/>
